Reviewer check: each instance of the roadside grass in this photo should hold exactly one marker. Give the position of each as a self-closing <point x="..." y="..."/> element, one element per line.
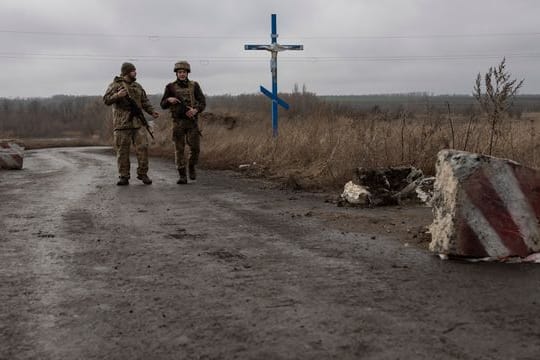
<point x="321" y="152"/>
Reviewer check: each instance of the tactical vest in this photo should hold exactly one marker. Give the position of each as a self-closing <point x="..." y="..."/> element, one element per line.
<point x="187" y="96"/>
<point x="135" y="91"/>
<point x="122" y="118"/>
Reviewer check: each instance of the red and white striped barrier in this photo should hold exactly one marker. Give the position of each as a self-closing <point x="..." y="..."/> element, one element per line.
<point x="11" y="155"/>
<point x="485" y="207"/>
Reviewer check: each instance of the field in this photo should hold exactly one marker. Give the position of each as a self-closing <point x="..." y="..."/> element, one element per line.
<point x="321" y="139"/>
<point x="321" y="145"/>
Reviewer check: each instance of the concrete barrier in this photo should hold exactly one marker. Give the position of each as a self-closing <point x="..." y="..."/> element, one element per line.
<point x="11" y="155"/>
<point x="484" y="207"/>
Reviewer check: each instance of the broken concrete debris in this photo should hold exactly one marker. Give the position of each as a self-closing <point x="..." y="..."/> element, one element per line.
<point x="387" y="186"/>
<point x="355" y="194"/>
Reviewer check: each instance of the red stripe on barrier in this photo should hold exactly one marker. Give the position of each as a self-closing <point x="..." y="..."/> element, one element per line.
<point x="467" y="242"/>
<point x="11" y="161"/>
<point x="3" y="164"/>
<point x="17" y="158"/>
<point x="529" y="182"/>
<point x="484" y="197"/>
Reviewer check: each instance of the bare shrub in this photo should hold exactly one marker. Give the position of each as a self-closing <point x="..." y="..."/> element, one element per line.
<point x="497" y="98"/>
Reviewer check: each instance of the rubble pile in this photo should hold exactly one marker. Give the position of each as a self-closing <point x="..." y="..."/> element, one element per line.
<point x="387" y="186"/>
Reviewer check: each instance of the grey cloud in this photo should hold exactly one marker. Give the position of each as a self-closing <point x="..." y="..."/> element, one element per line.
<point x="355" y="30"/>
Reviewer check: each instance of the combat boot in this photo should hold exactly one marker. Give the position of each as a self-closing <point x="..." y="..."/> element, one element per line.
<point x="145" y="179"/>
<point x="182" y="174"/>
<point x="192" y="172"/>
<point x="123" y="181"/>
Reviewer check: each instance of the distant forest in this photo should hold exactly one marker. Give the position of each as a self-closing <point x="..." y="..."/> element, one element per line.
<point x="58" y="116"/>
<point x="422" y="102"/>
<point x="87" y="116"/>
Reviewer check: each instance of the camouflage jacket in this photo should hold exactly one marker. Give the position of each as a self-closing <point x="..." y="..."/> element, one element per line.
<point x="122" y="118"/>
<point x="190" y="94"/>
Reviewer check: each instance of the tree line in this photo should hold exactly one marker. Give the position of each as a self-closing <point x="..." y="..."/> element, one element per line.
<point x="57" y="116"/>
<point x="87" y="116"/>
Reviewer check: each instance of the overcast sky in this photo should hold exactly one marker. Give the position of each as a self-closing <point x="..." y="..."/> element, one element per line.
<point x="350" y="47"/>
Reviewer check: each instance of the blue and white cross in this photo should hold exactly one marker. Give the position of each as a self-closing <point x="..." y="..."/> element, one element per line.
<point x="274" y="48"/>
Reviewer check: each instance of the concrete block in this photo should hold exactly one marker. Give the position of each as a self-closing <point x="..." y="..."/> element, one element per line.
<point x="484" y="207"/>
<point x="11" y="155"/>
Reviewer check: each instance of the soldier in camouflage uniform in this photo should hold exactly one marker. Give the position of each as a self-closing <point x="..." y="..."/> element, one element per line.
<point x="185" y="100"/>
<point x="127" y="128"/>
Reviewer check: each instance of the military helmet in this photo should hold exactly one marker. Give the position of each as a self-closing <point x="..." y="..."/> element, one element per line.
<point x="182" y="65"/>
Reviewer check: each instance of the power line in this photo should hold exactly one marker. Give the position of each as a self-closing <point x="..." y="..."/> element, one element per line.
<point x="303" y="59"/>
<point x="243" y="37"/>
<point x="420" y="36"/>
<point x="105" y="35"/>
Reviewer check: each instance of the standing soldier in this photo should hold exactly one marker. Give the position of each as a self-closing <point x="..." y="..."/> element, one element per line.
<point x="185" y="100"/>
<point x="127" y="127"/>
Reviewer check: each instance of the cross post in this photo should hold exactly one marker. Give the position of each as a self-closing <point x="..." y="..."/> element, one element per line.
<point x="274" y="48"/>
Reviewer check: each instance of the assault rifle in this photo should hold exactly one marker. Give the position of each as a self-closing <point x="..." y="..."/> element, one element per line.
<point x="136" y="112"/>
<point x="180" y="109"/>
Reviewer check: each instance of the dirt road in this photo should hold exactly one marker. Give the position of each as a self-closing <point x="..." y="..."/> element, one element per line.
<point x="232" y="268"/>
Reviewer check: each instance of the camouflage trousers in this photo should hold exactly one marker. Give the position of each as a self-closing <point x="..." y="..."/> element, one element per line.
<point x="122" y="141"/>
<point x="182" y="136"/>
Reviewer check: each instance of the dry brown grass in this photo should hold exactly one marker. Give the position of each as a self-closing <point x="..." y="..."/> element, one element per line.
<point x="322" y="152"/>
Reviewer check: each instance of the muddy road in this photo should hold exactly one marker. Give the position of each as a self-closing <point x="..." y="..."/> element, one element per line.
<point x="233" y="268"/>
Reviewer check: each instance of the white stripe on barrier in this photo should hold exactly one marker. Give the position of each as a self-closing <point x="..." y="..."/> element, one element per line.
<point x="507" y="187"/>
